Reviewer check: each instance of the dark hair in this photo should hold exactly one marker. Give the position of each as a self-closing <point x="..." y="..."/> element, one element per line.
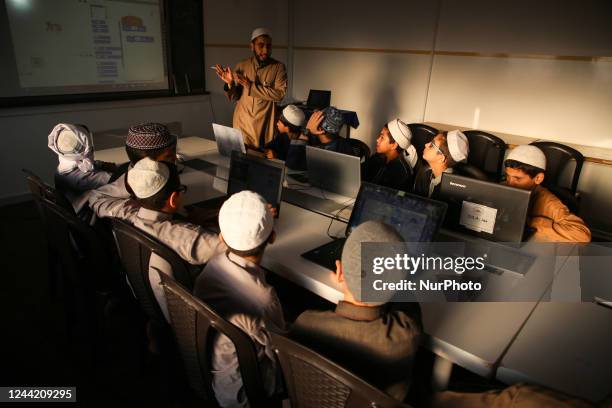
<point x="528" y="169"/>
<point x="291" y="126"/>
<point x="258" y="250"/>
<point x="135" y="154"/>
<point x="157" y="201"/>
<point x="398" y="148"/>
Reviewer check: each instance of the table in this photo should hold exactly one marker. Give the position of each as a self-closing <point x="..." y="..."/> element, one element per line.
<point x="517" y="337"/>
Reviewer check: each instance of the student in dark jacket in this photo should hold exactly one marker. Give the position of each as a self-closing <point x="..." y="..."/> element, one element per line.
<point x="376" y="341"/>
<point x="289" y="144"/>
<point x="392" y="164"/>
<point x="325" y="125"/>
<point x="441" y="154"/>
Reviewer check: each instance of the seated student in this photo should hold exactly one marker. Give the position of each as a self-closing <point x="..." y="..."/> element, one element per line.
<point x="516" y="396"/>
<point x="394" y="160"/>
<point x="441" y="154"/>
<point x="289" y="145"/>
<point x="234" y="285"/>
<point x="157" y="190"/>
<point x="376" y="341"/>
<point x="152" y="140"/>
<point x="325" y="125"/>
<point x="525" y="166"/>
<point x="77" y="172"/>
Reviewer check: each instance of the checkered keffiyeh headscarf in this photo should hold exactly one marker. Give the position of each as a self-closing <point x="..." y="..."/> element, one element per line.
<point x="149" y="136"/>
<point x="332" y="121"/>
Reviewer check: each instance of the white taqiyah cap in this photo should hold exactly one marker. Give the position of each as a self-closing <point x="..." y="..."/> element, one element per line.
<point x="294" y="115"/>
<point x="260" y="31"/>
<point x="400" y="132"/>
<point x="458" y="146"/>
<point x="147" y="177"/>
<point x="68" y="142"/>
<point x="245" y="221"/>
<point x="528" y="154"/>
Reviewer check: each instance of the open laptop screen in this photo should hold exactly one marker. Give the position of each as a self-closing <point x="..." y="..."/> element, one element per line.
<point x="489" y="210"/>
<point x="318" y="99"/>
<point x="265" y="177"/>
<point x="416" y="218"/>
<point x="228" y="139"/>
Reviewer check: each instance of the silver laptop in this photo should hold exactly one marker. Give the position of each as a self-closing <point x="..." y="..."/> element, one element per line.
<point x="334" y="172"/>
<point x="228" y="139"/>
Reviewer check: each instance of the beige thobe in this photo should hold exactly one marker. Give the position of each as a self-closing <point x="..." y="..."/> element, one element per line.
<point x="256" y="109"/>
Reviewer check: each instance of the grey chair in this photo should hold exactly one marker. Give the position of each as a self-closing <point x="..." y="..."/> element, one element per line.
<point x="314" y="381"/>
<point x="195" y="326"/>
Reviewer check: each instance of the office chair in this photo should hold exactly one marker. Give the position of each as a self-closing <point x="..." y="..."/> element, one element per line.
<point x="135" y="250"/>
<point x="471" y="171"/>
<point x="194" y="325"/>
<point x="486" y="152"/>
<point x="421" y="135"/>
<point x="314" y="381"/>
<point x="360" y="149"/>
<point x="558" y="157"/>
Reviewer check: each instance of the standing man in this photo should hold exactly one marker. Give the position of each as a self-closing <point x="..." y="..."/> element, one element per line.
<point x="257" y="84"/>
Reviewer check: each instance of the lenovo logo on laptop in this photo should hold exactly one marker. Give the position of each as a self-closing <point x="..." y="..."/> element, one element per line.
<point x="452" y="183"/>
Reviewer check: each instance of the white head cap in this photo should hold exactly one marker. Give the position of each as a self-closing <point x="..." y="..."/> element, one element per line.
<point x="245" y="221"/>
<point x="68" y="142"/>
<point x="458" y="145"/>
<point x="74" y="146"/>
<point x="294" y="115"/>
<point x="148" y="177"/>
<point x="260" y="31"/>
<point x="400" y="132"/>
<point x="528" y="154"/>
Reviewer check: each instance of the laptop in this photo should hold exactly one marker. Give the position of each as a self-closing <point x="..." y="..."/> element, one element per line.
<point x="493" y="211"/>
<point x="318" y="99"/>
<point x="329" y="171"/>
<point x="247" y="172"/>
<point x="417" y="219"/>
<point x="228" y="139"/>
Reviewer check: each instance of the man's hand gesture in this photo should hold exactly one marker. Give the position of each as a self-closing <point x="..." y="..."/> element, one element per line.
<point x="314" y="122"/>
<point x="225" y="74"/>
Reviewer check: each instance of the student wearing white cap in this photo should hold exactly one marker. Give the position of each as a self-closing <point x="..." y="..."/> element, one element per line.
<point x="235" y="286"/>
<point x="394" y="160"/>
<point x="288" y="143"/>
<point x="257" y="84"/>
<point x="377" y="341"/>
<point x="525" y="167"/>
<point x="441" y="154"/>
<point x="77" y="172"/>
<point x="157" y="193"/>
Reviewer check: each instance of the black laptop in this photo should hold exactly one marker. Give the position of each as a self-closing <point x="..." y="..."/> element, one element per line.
<point x="318" y="99"/>
<point x="493" y="211"/>
<point x="254" y="173"/>
<point x="416" y="218"/>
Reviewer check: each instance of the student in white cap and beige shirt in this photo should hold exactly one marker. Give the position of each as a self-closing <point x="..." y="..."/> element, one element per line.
<point x="441" y="154"/>
<point x="525" y="167"/>
<point x="257" y="84"/>
<point x="395" y="158"/>
<point x="234" y="285"/>
<point x="157" y="191"/>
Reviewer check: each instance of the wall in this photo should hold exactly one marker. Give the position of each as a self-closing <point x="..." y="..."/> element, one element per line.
<point x="25" y="130"/>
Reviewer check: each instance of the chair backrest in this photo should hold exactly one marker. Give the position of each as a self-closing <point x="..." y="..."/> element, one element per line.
<point x="471" y="171"/>
<point x="314" y="381"/>
<point x="360" y="149"/>
<point x="557" y="157"/>
<point x="135" y="249"/>
<point x="486" y="152"/>
<point x="195" y="326"/>
<point x="421" y="135"/>
<point x="40" y="189"/>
